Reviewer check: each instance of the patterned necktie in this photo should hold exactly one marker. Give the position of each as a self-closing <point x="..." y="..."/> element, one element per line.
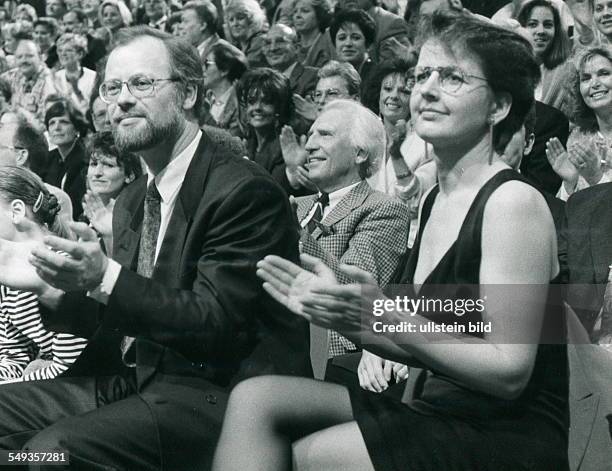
<point x="317" y="217"/>
<point x="146" y="252"/>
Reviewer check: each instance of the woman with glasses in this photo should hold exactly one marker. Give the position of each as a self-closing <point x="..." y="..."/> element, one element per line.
<point x="74" y="81"/>
<point x="552" y="48"/>
<point x="310" y="20"/>
<point x="223" y="66"/>
<point x="246" y="26"/>
<point x="492" y="399"/>
<point x="588" y="159"/>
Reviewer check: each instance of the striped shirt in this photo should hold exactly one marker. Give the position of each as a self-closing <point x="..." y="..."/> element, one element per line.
<point x="23" y="339"/>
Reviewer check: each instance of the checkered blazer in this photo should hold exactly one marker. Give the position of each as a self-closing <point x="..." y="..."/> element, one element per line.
<point x="368" y="229"/>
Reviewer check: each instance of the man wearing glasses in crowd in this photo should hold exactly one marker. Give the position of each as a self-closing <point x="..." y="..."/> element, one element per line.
<point x="177" y="316"/>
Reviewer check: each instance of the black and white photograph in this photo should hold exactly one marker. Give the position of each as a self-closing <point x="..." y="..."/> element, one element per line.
<point x="306" y="235"/>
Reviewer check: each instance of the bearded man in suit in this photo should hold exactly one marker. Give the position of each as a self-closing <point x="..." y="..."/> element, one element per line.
<point x="177" y="317"/>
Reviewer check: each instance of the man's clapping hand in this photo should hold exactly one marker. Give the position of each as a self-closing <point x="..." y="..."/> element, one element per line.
<point x="70" y="265"/>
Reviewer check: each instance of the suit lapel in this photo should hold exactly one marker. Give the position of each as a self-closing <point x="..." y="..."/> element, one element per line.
<point x="584" y="404"/>
<point x="348" y="203"/>
<point x="296" y="73"/>
<point x="169" y="259"/>
<point x="304" y="205"/>
<point x="229" y="109"/>
<point x="127" y="221"/>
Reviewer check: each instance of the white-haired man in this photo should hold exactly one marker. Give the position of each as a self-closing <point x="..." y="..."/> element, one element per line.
<point x="348" y="222"/>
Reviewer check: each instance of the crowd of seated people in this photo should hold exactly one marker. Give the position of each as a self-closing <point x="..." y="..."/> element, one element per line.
<point x="196" y="193"/>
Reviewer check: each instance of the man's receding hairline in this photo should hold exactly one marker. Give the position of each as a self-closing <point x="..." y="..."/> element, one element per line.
<point x="131" y="41"/>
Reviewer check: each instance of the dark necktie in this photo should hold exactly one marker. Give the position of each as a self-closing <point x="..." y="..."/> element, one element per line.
<point x="146" y="251"/>
<point x="317" y="217"/>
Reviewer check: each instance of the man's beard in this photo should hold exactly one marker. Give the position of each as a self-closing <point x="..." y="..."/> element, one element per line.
<point x="150" y="136"/>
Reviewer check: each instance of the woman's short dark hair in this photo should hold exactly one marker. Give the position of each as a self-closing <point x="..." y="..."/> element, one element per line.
<point x="583" y="116"/>
<point x="359" y="17"/>
<point x="506" y="59"/>
<point x="104" y="143"/>
<point x="322" y="10"/>
<point x="229" y="59"/>
<point x="50" y="23"/>
<point x="272" y="86"/>
<point x="371" y="90"/>
<point x="560" y="48"/>
<point x="65" y="107"/>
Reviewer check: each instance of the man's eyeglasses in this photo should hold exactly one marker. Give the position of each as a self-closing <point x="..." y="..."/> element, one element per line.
<point x="138" y="86"/>
<point x="450" y="79"/>
<point x="320" y="95"/>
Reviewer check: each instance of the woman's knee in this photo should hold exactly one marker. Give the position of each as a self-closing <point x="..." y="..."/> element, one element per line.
<point x="254" y="397"/>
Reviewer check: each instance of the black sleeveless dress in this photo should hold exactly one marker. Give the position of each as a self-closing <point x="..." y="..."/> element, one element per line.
<point x="450" y="427"/>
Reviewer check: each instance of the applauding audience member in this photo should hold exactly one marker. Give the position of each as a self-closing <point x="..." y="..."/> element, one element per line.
<point x="267" y="106"/>
<point x="108" y="172"/>
<point x="408" y="170"/>
<point x="73" y="81"/>
<point x="28" y="351"/>
<point x="588" y="159"/>
<point x="347" y="222"/>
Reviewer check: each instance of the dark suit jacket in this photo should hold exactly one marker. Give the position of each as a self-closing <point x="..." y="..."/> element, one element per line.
<point x="303" y="80"/>
<point x="550" y="122"/>
<point x="75" y="170"/>
<point x="202" y="322"/>
<point x="270" y="157"/>
<point x="96" y="50"/>
<point x="589" y="250"/>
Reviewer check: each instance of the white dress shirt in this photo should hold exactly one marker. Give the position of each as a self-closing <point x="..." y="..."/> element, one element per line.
<point x="334" y="199"/>
<point x="168" y="182"/>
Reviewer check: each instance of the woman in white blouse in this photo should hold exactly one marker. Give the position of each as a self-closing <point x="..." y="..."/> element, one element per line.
<point x="73" y="81"/>
<point x="408" y="170"/>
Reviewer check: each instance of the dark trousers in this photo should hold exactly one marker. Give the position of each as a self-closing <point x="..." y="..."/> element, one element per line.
<point x="101" y="422"/>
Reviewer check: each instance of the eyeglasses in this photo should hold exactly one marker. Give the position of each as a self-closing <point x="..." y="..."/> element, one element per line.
<point x="321" y="95"/>
<point x="450" y="79"/>
<point x="207" y="64"/>
<point x="137" y="85"/>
